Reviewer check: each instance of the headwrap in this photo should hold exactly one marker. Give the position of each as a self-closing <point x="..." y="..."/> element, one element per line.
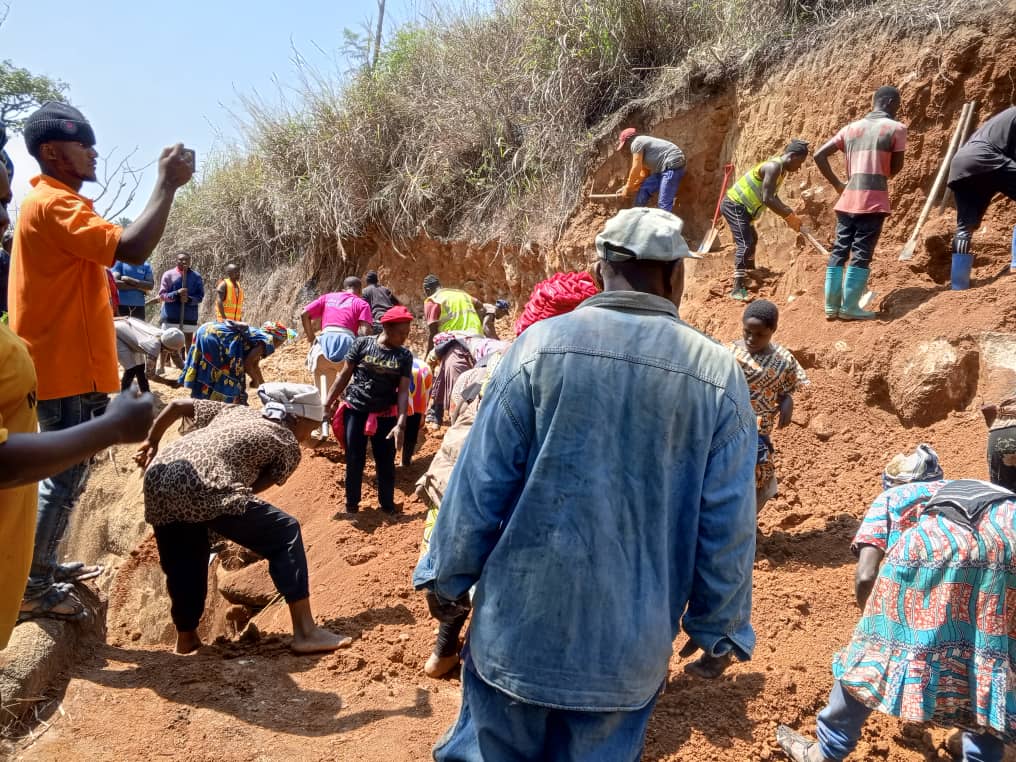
<point x="56" y="121"/>
<point x="920" y="466"/>
<point x="558" y="294"/>
<point x="173" y="339"/>
<point x="502" y="304"/>
<point x="282" y="399"/>
<point x="278" y="330"/>
<point x="797" y="146"/>
<point x="397" y="314"/>
<point x="430" y="283"/>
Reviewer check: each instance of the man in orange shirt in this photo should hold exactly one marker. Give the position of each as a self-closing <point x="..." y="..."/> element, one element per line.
<point x="61" y="250"/>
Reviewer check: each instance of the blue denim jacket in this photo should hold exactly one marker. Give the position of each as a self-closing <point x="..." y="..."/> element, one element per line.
<point x="607" y="488"/>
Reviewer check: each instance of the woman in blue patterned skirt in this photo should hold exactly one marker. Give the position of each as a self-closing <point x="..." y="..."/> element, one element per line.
<point x="936" y="578"/>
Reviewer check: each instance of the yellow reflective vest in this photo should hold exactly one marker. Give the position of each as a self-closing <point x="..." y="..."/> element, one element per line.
<point x="457" y="311"/>
<point x="748" y="190"/>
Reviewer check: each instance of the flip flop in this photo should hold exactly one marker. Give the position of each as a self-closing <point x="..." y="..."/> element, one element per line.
<point x="794" y="745"/>
<point x="77" y="571"/>
<point x="58" y="602"/>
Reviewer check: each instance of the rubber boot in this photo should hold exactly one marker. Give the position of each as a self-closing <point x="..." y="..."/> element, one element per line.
<point x="855" y="282"/>
<point x="739" y="292"/>
<point x="833" y="291"/>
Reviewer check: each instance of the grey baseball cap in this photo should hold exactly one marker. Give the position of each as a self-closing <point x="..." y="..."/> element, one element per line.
<point x="645" y="233"/>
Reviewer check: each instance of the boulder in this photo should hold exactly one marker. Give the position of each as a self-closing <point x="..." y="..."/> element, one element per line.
<point x="249" y="586"/>
<point x="39" y="653"/>
<point x="929" y="380"/>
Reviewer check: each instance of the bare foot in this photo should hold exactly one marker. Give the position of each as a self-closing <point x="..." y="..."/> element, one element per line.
<point x="187" y="643"/>
<point x="439" y="666"/>
<point x="319" y="640"/>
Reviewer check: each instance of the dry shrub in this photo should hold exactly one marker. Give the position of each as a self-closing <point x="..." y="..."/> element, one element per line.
<point x="481" y="123"/>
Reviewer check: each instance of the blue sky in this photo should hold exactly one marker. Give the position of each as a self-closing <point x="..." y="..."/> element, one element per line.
<point x="149" y="74"/>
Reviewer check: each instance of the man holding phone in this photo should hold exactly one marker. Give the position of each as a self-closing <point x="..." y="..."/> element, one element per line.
<point x="62" y="248"/>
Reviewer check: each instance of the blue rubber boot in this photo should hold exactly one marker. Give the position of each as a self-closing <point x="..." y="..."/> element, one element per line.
<point x="833" y="291"/>
<point x="855" y="282"/>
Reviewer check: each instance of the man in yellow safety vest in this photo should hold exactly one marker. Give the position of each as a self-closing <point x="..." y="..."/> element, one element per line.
<point x="229" y="296"/>
<point x="749" y="197"/>
<point x="449" y="309"/>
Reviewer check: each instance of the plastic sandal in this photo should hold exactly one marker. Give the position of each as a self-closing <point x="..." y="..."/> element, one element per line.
<point x="47" y="605"/>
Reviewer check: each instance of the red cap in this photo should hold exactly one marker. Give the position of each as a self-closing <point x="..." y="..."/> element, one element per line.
<point x="397" y="315"/>
<point x="625" y="136"/>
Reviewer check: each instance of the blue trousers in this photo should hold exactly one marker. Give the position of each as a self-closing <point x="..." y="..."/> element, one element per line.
<point x="666" y="182"/>
<point x="856" y="238"/>
<point x="840" y="723"/>
<point x="58" y="494"/>
<point x="494" y="727"/>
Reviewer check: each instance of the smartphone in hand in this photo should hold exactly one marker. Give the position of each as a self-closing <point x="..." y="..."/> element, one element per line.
<point x="190" y="157"/>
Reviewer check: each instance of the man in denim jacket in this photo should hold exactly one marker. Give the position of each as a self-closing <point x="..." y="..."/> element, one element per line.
<point x="604" y="501"/>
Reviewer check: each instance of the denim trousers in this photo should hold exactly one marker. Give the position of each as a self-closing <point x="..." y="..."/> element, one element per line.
<point x="840" y="723"/>
<point x="666" y="182"/>
<point x="263" y="528"/>
<point x="494" y="727"/>
<point x="856" y="238"/>
<point x="58" y="494"/>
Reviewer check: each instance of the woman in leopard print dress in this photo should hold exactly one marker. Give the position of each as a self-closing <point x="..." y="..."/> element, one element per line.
<point x="209" y="480"/>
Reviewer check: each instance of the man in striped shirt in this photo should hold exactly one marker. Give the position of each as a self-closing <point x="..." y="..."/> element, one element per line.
<point x="874" y="149"/>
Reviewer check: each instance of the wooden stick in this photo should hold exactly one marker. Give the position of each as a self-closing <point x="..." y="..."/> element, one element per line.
<point x="964" y="135"/>
<point x="603" y="195"/>
<point x="943" y="171"/>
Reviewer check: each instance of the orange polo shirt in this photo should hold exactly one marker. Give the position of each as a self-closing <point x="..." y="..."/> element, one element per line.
<point x="59" y="299"/>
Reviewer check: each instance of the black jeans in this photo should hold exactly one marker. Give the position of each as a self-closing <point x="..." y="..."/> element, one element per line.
<point x="411" y="437"/>
<point x="745" y="236"/>
<point x="1002" y="447"/>
<point x="125" y="310"/>
<point x="856" y="239"/>
<point x="974" y="194"/>
<point x="356" y="459"/>
<point x="263" y="528"/>
<point x="138" y="373"/>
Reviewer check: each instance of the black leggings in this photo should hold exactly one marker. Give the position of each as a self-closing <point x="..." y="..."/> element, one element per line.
<point x="356" y="458"/>
<point x="263" y="528"/>
<point x="1002" y="447"/>
<point x="138" y="373"/>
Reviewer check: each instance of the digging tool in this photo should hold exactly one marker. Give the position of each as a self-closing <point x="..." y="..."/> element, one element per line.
<point x="868" y="297"/>
<point x="602" y="196"/>
<point x="968" y="124"/>
<point x="707" y="242"/>
<point x="943" y="171"/>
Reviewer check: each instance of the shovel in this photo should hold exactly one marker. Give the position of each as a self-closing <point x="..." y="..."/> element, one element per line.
<point x="868" y="297"/>
<point x="707" y="242"/>
<point x="943" y="171"/>
<point x="603" y="196"/>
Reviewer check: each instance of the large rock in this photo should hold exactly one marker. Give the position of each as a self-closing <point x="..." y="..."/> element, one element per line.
<point x="998" y="366"/>
<point x="40" y="651"/>
<point x="249" y="586"/>
<point x="932" y="379"/>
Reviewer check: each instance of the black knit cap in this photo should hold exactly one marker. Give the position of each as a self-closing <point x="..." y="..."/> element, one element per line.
<point x="56" y="121"/>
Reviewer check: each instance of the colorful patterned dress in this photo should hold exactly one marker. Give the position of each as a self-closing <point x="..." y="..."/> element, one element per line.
<point x="770" y="374"/>
<point x="215" y="367"/>
<point x="937" y="640"/>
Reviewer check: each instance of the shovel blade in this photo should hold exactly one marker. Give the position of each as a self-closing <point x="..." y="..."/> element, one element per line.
<point x="707" y="243"/>
<point x="908" y="250"/>
<point x="866" y="299"/>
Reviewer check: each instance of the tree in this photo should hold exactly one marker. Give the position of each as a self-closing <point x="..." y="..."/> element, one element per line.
<point x="21" y="92"/>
